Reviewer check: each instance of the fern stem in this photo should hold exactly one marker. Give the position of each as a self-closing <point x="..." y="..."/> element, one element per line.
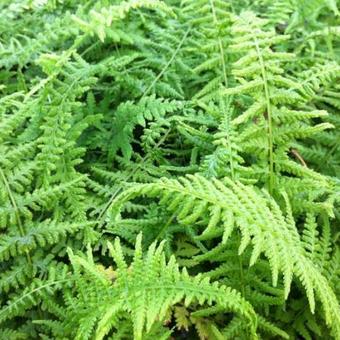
<point x="159" y="76"/>
<point x="22" y="297"/>
<point x="222" y="54"/>
<point x="232" y="171"/>
<point x="241" y="275"/>
<point x="298" y="156"/>
<point x="269" y="117"/>
<point x="166" y="225"/>
<point x="240" y="263"/>
<point x="11" y="197"/>
<point x="220" y="45"/>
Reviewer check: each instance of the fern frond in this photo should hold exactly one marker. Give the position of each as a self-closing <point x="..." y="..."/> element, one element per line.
<point x="261" y="223"/>
<point x="145" y="276"/>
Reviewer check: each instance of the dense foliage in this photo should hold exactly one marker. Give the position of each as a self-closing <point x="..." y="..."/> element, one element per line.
<point x="169" y="169"/>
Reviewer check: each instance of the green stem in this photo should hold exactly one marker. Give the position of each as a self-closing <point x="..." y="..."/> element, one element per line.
<point x="166" y="225"/>
<point x="269" y="117"/>
<point x="225" y="78"/>
<point x="168" y="63"/>
<point x="220" y="44"/>
<point x="17" y="215"/>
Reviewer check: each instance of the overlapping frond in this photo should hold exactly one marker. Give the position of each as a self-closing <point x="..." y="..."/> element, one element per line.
<point x="209" y="126"/>
<point x="232" y="206"/>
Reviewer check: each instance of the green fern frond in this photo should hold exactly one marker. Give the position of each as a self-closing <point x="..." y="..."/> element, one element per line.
<point x="145" y="276"/>
<point x="261" y="223"/>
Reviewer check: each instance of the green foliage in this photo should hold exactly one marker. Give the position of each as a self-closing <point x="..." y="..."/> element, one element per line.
<point x="211" y="128"/>
<point x="146" y="289"/>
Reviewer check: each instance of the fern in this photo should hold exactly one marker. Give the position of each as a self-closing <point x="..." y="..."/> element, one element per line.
<point x="210" y="127"/>
<point x="261" y="223"/>
<point x="154" y="286"/>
